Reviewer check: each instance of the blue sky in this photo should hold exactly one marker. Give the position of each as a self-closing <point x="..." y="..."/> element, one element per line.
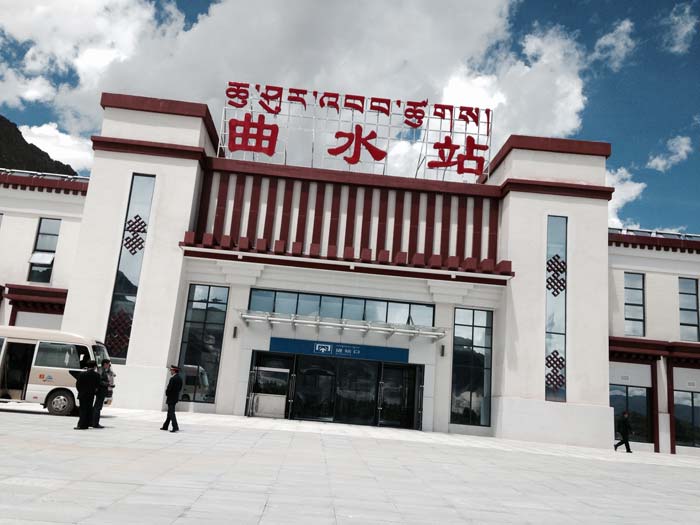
<point x="623" y="72"/>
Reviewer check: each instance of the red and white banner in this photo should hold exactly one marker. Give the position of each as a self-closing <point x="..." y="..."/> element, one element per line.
<point x="347" y="132"/>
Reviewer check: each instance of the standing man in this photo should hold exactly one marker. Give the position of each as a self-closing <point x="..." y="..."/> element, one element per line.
<point x="106" y="384"/>
<point x="87" y="384"/>
<point x="172" y="395"/>
<point x="625" y="429"/>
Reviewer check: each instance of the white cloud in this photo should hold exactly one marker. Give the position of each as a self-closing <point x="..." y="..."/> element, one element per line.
<point x="678" y="147"/>
<point x="680" y="27"/>
<point x="69" y="149"/>
<point x="626" y="190"/>
<point x="614" y="47"/>
<point x="16" y="89"/>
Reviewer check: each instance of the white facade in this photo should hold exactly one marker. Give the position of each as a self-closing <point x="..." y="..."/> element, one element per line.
<point x="451" y="246"/>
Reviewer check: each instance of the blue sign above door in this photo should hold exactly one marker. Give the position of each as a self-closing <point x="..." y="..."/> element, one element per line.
<point x="328" y="349"/>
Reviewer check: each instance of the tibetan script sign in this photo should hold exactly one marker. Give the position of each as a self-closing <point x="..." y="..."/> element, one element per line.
<point x="322" y="129"/>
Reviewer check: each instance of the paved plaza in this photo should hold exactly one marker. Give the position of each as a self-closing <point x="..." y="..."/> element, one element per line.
<point x="227" y="469"/>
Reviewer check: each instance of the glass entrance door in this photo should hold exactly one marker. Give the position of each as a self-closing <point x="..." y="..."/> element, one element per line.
<point x="398" y="396"/>
<point x="356" y="395"/>
<point x="314" y="396"/>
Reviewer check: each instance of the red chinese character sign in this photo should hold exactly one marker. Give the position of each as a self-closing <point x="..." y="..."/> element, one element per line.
<point x="355" y="133"/>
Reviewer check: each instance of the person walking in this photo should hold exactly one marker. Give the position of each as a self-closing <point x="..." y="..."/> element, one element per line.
<point x="103" y="391"/>
<point x="172" y="395"/>
<point x="87" y="384"/>
<point x="625" y="430"/>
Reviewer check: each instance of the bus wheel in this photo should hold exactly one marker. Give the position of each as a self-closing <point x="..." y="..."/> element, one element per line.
<point x="60" y="403"/>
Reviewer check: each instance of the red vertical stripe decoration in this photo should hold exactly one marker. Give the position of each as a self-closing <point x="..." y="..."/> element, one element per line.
<point x="413" y="226"/>
<point x="476" y="235"/>
<point x="318" y="212"/>
<point x="398" y="223"/>
<point x="461" y="226"/>
<point x="429" y="225"/>
<point x="335" y="216"/>
<point x="445" y="225"/>
<point x="303" y="210"/>
<point x="270" y="211"/>
<point x="286" y="211"/>
<point x="381" y="227"/>
<point x="350" y="222"/>
<point x="493" y="229"/>
<point x="204" y="197"/>
<point x="237" y="208"/>
<point x="254" y="208"/>
<point x="220" y="214"/>
<point x="366" y="218"/>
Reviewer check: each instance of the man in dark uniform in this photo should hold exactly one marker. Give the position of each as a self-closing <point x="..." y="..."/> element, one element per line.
<point x="172" y="395"/>
<point x="87" y="384"/>
<point x="102" y="392"/>
<point x="625" y="429"/>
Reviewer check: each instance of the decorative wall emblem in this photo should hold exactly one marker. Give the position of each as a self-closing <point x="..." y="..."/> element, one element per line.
<point x="556" y="364"/>
<point x="556" y="268"/>
<point x="135" y="226"/>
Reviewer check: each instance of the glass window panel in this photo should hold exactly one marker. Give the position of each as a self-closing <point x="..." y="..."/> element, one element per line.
<point x="332" y="307"/>
<point x="375" y="311"/>
<point x="464" y="335"/>
<point x="43" y="258"/>
<point x="398" y="313"/>
<point x="556" y="313"/>
<point x="46" y="243"/>
<point x="479" y="357"/>
<point x="634" y="280"/>
<point x="689" y="316"/>
<point x="309" y="304"/>
<point x="51" y="226"/>
<point x="461" y="413"/>
<point x="688" y="301"/>
<point x="618" y="399"/>
<point x="555" y="342"/>
<point x="689" y="333"/>
<point x="464" y="316"/>
<point x="196" y="312"/>
<point x="463" y="355"/>
<point x="638" y="408"/>
<point x="687" y="285"/>
<point x="634" y="296"/>
<point x="482" y="336"/>
<point x="635" y="328"/>
<point x="353" y="309"/>
<point x="285" y="303"/>
<point x="683" y="411"/>
<point x="556" y="237"/>
<point x="262" y="301"/>
<point x="481" y="318"/>
<point x="422" y="315"/>
<point x="216" y="313"/>
<point x="218" y="294"/>
<point x="199" y="292"/>
<point x="119" y="327"/>
<point x="486" y="401"/>
<point x="59" y="355"/>
<point x="634" y="312"/>
<point x="39" y="274"/>
<point x="192" y="332"/>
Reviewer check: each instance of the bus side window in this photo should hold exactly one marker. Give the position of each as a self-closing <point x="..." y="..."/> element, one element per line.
<point x="84" y="355"/>
<point x="57" y="355"/>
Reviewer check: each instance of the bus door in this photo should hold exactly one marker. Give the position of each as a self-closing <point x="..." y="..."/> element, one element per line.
<point x="15" y="366"/>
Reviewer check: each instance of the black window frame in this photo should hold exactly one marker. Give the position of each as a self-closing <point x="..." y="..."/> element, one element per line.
<point x="696" y="310"/>
<point x="36" y="266"/>
<point x="472" y="368"/>
<point x="342" y="305"/>
<point x="694" y="424"/>
<point x="649" y="438"/>
<point x="642" y="305"/>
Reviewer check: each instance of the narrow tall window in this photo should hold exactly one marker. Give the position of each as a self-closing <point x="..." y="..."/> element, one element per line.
<point x="555" y="331"/>
<point x="202" y="339"/>
<point x="41" y="261"/>
<point x="471" y="367"/>
<point x="126" y="284"/>
<point x="688" y="300"/>
<point x="634" y="304"/>
<point x="687" y="417"/>
<point x="636" y="400"/>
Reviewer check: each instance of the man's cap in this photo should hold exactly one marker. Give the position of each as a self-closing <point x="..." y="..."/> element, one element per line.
<point x="175" y="367"/>
<point x="91" y="364"/>
<point x="106" y="361"/>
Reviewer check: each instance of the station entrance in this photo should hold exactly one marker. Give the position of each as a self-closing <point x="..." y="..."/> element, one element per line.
<point x="335" y="389"/>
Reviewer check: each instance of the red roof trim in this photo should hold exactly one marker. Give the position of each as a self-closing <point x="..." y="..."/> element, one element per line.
<point x="166" y="106"/>
<point x="653" y="347"/>
<point x="577" y="147"/>
<point x="557" y="188"/>
<point x="655" y="243"/>
<point x="144" y="147"/>
<point x="33" y="183"/>
<point x="36" y="294"/>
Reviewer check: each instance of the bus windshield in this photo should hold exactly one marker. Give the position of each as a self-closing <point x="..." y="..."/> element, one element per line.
<point x="100" y="353"/>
